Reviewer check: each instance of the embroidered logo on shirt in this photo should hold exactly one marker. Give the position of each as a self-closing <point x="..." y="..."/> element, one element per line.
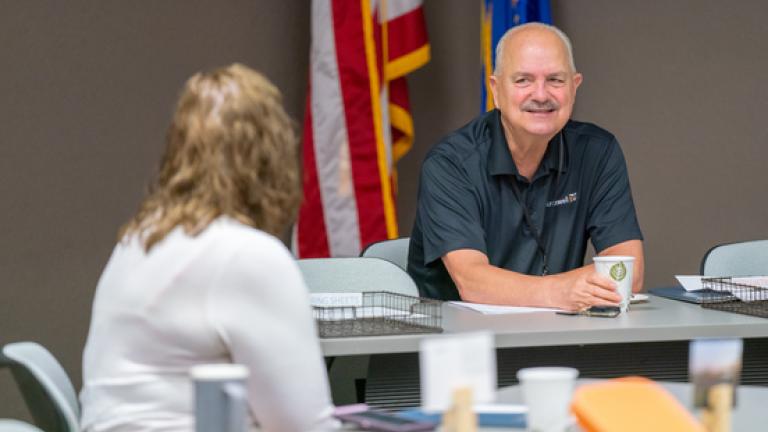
<point x="568" y="199"/>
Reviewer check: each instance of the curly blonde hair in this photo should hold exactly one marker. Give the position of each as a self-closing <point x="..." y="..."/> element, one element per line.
<point x="230" y="150"/>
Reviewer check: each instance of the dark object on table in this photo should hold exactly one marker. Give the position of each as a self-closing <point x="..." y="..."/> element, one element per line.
<point x="697" y="297"/>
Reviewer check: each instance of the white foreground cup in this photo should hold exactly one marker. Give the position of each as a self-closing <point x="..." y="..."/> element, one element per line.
<point x="618" y="269"/>
<point x="221" y="402"/>
<point x="547" y="392"/>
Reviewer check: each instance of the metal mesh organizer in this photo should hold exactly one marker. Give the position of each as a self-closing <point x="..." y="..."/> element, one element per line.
<point x="380" y="313"/>
<point x="748" y="295"/>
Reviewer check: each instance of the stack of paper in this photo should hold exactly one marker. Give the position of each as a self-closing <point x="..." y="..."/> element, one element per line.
<point x="690" y="283"/>
<point x="752" y="288"/>
<point x="349" y="306"/>
<point x="498" y="309"/>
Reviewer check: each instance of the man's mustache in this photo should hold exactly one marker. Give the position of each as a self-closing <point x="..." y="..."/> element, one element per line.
<point x="548" y="105"/>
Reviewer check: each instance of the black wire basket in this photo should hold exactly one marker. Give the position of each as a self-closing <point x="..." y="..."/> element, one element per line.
<point x="744" y="295"/>
<point x="379" y="313"/>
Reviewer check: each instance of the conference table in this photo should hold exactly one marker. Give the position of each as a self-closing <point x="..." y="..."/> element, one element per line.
<point x="748" y="415"/>
<point x="650" y="340"/>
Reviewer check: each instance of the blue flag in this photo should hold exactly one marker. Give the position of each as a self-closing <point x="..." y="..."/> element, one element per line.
<point x="498" y="17"/>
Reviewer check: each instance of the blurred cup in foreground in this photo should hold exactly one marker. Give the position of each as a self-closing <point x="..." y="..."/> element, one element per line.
<point x="547" y="392"/>
<point x="220" y="397"/>
<point x="618" y="269"/>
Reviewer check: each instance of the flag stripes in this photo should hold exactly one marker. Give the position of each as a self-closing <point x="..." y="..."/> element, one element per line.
<point x="357" y="122"/>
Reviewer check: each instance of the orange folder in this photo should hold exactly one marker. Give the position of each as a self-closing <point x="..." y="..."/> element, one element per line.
<point x="632" y="404"/>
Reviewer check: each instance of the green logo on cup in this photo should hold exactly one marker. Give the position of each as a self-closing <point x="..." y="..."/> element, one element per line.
<point x="618" y="271"/>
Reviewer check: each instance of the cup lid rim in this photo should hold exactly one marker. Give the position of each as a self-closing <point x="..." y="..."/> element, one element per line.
<point x="218" y="371"/>
<point x="547" y="372"/>
<point x="614" y="258"/>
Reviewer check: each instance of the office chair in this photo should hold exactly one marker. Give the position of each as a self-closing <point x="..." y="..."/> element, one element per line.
<point x="44" y="385"/>
<point x="359" y="274"/>
<point x="394" y="251"/>
<point x="9" y="425"/>
<point x="749" y="258"/>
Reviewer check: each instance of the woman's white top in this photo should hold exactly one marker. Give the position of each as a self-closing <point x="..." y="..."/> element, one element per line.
<point x="233" y="294"/>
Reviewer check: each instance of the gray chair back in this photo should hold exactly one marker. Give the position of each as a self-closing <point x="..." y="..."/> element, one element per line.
<point x="44" y="385"/>
<point x="749" y="258"/>
<point x="359" y="274"/>
<point x="8" y="425"/>
<point x="394" y="251"/>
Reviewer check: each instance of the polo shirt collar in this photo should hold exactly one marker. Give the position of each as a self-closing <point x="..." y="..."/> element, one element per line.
<point x="500" y="160"/>
<point x="551" y="159"/>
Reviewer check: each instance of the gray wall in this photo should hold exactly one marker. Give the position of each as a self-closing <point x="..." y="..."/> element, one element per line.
<point x="87" y="89"/>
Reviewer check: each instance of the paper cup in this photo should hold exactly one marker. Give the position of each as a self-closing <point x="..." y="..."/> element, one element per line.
<point x="618" y="269"/>
<point x="221" y="402"/>
<point x="547" y="392"/>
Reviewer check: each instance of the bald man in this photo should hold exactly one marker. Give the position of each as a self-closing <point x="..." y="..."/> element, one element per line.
<point x="508" y="202"/>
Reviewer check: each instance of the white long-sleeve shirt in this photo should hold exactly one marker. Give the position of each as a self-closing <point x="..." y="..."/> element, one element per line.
<point x="231" y="294"/>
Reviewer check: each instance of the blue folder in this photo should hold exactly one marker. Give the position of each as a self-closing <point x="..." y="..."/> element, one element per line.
<point x="494" y="420"/>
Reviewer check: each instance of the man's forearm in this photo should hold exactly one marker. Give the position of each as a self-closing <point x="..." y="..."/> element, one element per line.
<point x="485" y="283"/>
<point x="480" y="282"/>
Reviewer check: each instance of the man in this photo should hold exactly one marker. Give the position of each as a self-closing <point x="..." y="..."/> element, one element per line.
<point x="508" y="202"/>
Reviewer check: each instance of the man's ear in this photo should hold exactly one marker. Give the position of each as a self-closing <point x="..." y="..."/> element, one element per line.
<point x="577" y="79"/>
<point x="494" y="90"/>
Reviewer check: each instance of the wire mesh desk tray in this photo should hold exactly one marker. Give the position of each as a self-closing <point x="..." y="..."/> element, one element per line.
<point x="380" y="313"/>
<point x="748" y="295"/>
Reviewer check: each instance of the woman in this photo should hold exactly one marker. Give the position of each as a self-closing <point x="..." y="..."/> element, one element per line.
<point x="198" y="276"/>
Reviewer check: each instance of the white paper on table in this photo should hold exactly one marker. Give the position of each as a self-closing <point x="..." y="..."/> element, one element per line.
<point x="690" y="283"/>
<point x="450" y="362"/>
<point x="755" y="288"/>
<point x="498" y="309"/>
<point x="748" y="294"/>
<point x="755" y="281"/>
<point x="336" y="313"/>
<point x="747" y="289"/>
<point x="336" y="299"/>
<point x="349" y="306"/>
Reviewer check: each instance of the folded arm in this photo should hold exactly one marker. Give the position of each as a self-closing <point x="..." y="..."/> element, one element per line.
<point x="480" y="282"/>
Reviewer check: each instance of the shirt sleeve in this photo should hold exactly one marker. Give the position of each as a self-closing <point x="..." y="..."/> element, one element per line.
<point x="449" y="210"/>
<point x="260" y="307"/>
<point x="612" y="217"/>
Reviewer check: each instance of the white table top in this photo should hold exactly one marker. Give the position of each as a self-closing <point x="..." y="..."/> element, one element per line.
<point x="658" y="320"/>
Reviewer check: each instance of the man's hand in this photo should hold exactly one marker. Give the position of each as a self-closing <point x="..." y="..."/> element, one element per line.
<point x="579" y="289"/>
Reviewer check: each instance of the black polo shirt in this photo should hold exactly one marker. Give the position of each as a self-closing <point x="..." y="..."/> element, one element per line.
<point x="466" y="201"/>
